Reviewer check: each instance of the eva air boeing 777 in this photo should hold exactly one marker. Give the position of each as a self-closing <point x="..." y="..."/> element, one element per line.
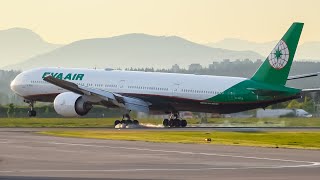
<point x="75" y="91"/>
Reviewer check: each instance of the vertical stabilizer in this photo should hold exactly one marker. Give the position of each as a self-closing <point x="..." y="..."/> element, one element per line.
<point x="275" y="69"/>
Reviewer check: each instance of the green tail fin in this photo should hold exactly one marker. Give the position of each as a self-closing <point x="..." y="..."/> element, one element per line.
<point x="275" y="69"/>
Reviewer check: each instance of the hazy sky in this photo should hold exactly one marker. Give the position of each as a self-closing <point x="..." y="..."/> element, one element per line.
<point x="202" y="21"/>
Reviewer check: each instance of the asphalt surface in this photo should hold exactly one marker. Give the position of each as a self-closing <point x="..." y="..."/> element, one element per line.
<point x="26" y="155"/>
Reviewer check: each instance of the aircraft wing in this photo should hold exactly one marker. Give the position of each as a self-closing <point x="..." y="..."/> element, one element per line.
<point x="129" y="103"/>
<point x="303" y="76"/>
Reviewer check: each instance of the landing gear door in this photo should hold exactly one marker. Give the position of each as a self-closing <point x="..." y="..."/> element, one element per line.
<point x="175" y="89"/>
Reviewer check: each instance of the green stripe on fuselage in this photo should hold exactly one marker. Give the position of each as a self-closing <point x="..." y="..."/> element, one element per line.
<point x="253" y="91"/>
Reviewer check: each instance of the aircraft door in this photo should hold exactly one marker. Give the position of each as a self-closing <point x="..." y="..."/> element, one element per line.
<point x="175" y="89"/>
<point x="121" y="85"/>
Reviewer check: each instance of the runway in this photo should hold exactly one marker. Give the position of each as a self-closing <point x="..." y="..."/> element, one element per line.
<point x="26" y="155"/>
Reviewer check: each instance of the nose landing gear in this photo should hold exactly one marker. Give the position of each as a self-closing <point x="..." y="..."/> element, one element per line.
<point x="31" y="112"/>
<point x="174" y="121"/>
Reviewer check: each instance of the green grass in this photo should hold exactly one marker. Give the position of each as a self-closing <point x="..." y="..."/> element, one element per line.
<point x="67" y="122"/>
<point x="287" y="122"/>
<point x="55" y="122"/>
<point x="108" y="122"/>
<point x="300" y="140"/>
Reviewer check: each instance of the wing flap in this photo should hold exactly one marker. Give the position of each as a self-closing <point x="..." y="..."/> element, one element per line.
<point x="136" y="104"/>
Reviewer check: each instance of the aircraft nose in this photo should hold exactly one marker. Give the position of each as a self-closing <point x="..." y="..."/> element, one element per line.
<point x="13" y="84"/>
<point x="17" y="83"/>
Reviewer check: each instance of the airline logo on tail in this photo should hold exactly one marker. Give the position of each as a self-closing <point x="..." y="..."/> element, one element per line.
<point x="279" y="56"/>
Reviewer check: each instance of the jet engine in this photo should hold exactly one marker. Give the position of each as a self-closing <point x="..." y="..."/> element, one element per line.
<point x="69" y="104"/>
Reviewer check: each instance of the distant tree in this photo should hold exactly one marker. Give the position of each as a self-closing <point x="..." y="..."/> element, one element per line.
<point x="47" y="110"/>
<point x="280" y="105"/>
<point x="294" y="104"/>
<point x="11" y="110"/>
<point x="308" y="105"/>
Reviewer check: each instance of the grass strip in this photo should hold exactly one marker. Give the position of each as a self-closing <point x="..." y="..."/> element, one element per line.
<point x="65" y="122"/>
<point x="298" y="140"/>
<point x="108" y="122"/>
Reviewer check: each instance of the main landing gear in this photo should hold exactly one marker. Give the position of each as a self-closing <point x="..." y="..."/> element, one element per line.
<point x="174" y="121"/>
<point x="126" y="120"/>
<point x="31" y="112"/>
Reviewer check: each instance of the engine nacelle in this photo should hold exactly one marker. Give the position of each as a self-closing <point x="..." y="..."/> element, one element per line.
<point x="69" y="104"/>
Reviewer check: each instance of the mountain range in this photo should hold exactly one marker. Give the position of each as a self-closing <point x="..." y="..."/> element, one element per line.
<point x="132" y="50"/>
<point x="19" y="44"/>
<point x="23" y="49"/>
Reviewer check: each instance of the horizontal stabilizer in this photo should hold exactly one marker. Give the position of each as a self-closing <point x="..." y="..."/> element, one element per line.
<point x="303" y="76"/>
<point x="311" y="90"/>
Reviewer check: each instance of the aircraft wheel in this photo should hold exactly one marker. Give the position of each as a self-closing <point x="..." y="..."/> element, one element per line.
<point x="135" y="122"/>
<point x="32" y="113"/>
<point x="165" y="122"/>
<point x="129" y="121"/>
<point x="184" y="123"/>
<point x="177" y="123"/>
<point x="116" y="122"/>
<point x="171" y="123"/>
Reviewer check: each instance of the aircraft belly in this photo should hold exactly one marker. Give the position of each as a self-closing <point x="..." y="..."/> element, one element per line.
<point x="209" y="107"/>
<point x="42" y="97"/>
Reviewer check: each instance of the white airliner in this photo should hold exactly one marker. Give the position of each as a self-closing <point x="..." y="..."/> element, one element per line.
<point x="75" y="91"/>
